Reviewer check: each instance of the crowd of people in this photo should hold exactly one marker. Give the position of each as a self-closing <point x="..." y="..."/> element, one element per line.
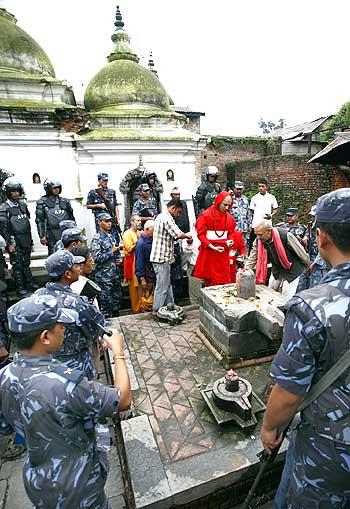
<point x="58" y="329"/>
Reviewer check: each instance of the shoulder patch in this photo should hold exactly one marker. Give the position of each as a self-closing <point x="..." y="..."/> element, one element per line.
<point x="71" y="374"/>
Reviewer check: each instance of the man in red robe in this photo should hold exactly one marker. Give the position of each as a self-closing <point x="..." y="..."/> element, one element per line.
<point x="215" y="230"/>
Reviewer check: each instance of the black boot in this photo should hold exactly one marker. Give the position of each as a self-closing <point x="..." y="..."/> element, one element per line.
<point x="18" y="280"/>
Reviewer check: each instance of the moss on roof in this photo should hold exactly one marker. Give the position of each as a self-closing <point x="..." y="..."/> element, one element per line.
<point x="33" y="105"/>
<point x="20" y="51"/>
<point x="129" y="134"/>
<point x="123" y="82"/>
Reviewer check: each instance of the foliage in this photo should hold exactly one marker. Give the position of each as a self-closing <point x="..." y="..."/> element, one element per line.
<point x="269" y="126"/>
<point x="269" y="146"/>
<point x="339" y="122"/>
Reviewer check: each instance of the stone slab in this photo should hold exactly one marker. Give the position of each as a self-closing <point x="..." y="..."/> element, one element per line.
<point x="239" y="315"/>
<point x="269" y="321"/>
<point x="158" y="485"/>
<point x="236" y="345"/>
<point x="202" y="475"/>
<point x="235" y="314"/>
<point x="149" y="481"/>
<point x="3" y="491"/>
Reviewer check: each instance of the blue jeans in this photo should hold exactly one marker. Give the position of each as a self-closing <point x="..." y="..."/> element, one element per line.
<point x="163" y="292"/>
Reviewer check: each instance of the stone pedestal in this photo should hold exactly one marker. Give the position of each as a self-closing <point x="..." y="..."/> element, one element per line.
<point x="242" y="329"/>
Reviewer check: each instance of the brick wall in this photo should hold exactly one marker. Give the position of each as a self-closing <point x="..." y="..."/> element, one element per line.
<point x="293" y="180"/>
<point x="225" y="151"/>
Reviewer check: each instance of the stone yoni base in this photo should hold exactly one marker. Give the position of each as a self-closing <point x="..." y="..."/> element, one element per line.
<point x="242" y="329"/>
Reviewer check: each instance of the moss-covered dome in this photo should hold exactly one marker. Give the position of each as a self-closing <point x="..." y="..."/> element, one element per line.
<point x="123" y="81"/>
<point x="19" y="52"/>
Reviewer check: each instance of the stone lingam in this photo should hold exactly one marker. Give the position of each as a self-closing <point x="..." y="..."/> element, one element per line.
<point x="231" y="399"/>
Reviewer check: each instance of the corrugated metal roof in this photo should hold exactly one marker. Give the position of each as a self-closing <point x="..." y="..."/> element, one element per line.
<point x="337" y="151"/>
<point x="301" y="131"/>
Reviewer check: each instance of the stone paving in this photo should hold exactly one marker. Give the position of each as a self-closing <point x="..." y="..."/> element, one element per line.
<point x="172" y="366"/>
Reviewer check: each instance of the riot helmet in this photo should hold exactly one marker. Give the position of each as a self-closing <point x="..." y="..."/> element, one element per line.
<point x="148" y="174"/>
<point x="49" y="183"/>
<point x="12" y="184"/>
<point x="212" y="171"/>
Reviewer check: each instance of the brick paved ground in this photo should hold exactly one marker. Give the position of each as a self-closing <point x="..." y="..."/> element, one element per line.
<point x="172" y="366"/>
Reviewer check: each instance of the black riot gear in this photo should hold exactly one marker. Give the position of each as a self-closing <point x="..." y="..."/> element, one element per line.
<point x="16" y="230"/>
<point x="49" y="183"/>
<point x="50" y="211"/>
<point x="12" y="184"/>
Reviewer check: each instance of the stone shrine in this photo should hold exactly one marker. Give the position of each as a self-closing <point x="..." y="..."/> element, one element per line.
<point x="242" y="329"/>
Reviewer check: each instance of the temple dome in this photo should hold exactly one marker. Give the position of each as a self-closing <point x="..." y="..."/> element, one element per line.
<point x="20" y="53"/>
<point x="123" y="81"/>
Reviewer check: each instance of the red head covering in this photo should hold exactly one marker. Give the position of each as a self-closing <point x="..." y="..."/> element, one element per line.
<point x="220" y="198"/>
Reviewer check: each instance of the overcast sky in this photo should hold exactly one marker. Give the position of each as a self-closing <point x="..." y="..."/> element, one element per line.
<point x="235" y="60"/>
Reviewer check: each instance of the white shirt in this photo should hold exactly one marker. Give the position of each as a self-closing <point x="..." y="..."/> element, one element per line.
<point x="262" y="204"/>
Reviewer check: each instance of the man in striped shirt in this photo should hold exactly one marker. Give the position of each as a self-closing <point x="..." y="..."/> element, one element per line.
<point x="162" y="254"/>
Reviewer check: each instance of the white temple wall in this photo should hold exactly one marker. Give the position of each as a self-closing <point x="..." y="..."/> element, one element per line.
<point x="117" y="158"/>
<point x="24" y="152"/>
<point x="52" y="154"/>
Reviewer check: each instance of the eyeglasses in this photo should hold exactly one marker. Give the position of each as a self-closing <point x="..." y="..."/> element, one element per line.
<point x="261" y="234"/>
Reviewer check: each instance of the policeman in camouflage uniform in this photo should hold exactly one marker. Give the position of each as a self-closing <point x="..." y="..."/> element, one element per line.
<point x="240" y="210"/>
<point x="51" y="209"/>
<point x="15" y="228"/>
<point x="293" y="226"/>
<point x="64" y="225"/>
<point x="55" y="409"/>
<point x="208" y="190"/>
<point x="107" y="257"/>
<point x="316" y="336"/>
<point x="145" y="207"/>
<point x="319" y="267"/>
<point x="76" y="350"/>
<point x="156" y="188"/>
<point x="96" y="201"/>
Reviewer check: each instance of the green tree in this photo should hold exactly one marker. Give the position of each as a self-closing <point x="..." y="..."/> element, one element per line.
<point x="339" y="122"/>
<point x="269" y="126"/>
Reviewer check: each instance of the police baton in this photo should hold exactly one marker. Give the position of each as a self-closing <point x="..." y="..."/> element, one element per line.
<point x="266" y="459"/>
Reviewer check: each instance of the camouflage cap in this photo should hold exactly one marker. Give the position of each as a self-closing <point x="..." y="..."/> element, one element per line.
<point x="104" y="216"/>
<point x="334" y="207"/>
<point x="57" y="264"/>
<point x="72" y="234"/>
<point x="67" y="223"/>
<point x="292" y="211"/>
<point x="102" y="176"/>
<point x="38" y="312"/>
<point x="144" y="187"/>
